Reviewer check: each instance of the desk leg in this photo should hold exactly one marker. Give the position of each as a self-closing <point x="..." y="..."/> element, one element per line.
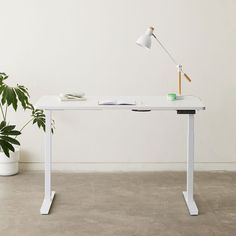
<point x="48" y="194"/>
<point x="188" y="195"/>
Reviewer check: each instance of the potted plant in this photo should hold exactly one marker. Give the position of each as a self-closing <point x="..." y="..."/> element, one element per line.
<point x="12" y="97"/>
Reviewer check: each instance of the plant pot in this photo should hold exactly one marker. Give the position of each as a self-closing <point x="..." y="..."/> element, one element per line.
<point x="9" y="165"/>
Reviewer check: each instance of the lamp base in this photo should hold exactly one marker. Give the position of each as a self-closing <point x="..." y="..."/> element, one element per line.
<point x="179" y="97"/>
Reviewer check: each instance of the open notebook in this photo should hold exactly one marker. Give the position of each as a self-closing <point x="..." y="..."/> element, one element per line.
<point x="116" y="102"/>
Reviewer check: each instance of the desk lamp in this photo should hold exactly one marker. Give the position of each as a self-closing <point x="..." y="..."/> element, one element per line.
<point x="146" y="42"/>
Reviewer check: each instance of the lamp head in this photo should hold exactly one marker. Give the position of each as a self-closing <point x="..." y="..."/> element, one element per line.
<point x="145" y="39"/>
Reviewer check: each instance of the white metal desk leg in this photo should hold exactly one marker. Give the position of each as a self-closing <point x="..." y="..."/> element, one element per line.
<point x="188" y="195"/>
<point x="48" y="194"/>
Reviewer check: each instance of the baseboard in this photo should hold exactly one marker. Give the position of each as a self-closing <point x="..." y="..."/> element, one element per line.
<point x="115" y="167"/>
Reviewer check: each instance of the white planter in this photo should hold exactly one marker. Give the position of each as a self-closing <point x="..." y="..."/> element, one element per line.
<point x="9" y="165"/>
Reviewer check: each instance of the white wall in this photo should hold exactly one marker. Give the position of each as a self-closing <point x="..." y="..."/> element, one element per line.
<point x="58" y="45"/>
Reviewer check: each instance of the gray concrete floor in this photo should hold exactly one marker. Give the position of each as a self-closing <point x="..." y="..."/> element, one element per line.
<point x="118" y="204"/>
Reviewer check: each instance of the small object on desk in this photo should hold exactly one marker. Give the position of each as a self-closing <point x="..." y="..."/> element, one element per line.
<point x="79" y="96"/>
<point x="116" y="102"/>
<point x="171" y="96"/>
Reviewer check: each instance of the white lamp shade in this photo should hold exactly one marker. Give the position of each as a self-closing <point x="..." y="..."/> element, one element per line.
<point x="145" y="39"/>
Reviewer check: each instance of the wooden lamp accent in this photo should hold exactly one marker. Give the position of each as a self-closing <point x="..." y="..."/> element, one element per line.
<point x="180" y="71"/>
<point x="180" y="84"/>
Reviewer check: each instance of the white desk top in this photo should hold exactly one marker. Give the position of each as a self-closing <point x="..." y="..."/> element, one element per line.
<point x="142" y="103"/>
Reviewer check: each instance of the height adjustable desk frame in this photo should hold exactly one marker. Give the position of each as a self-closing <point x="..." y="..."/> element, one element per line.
<point x="183" y="105"/>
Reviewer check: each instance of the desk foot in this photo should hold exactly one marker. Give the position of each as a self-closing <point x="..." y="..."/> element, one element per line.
<point x="45" y="208"/>
<point x="192" y="207"/>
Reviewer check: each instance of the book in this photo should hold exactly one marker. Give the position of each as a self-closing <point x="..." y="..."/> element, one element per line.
<point x="122" y="102"/>
<point x="72" y="97"/>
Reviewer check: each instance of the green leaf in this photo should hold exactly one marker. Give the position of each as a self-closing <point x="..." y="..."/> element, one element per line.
<point x="4" y="95"/>
<point x="23" y="98"/>
<point x="4" y="148"/>
<point x="1" y="88"/>
<point x="10" y="140"/>
<point x="39" y="118"/>
<point x="14" y="99"/>
<point x="3" y="77"/>
<point x="23" y="89"/>
<point x="8" y="145"/>
<point x="2" y="124"/>
<point x="8" y="128"/>
<point x="14" y="132"/>
<point x="11" y="95"/>
<point x="6" y="141"/>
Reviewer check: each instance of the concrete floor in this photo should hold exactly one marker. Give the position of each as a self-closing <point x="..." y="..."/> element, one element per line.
<point x="118" y="204"/>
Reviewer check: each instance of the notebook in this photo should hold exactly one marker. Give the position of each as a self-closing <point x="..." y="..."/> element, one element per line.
<point x="116" y="102"/>
<point x="72" y="97"/>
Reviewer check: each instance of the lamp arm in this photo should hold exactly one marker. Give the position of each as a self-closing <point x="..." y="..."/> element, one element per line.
<point x="186" y="76"/>
<point x="167" y="52"/>
<point x="172" y="58"/>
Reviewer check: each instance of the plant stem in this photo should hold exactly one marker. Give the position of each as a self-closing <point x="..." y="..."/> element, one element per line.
<point x="6" y="112"/>
<point x="2" y="112"/>
<point x="25" y="125"/>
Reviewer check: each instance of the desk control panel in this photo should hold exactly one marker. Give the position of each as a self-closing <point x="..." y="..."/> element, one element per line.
<point x="186" y="112"/>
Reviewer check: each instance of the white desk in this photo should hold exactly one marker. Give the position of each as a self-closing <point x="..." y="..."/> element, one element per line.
<point x="184" y="105"/>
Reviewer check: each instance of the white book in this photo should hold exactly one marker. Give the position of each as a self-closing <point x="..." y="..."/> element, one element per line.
<point x="72" y="97"/>
<point x="116" y="102"/>
<point x="65" y="99"/>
